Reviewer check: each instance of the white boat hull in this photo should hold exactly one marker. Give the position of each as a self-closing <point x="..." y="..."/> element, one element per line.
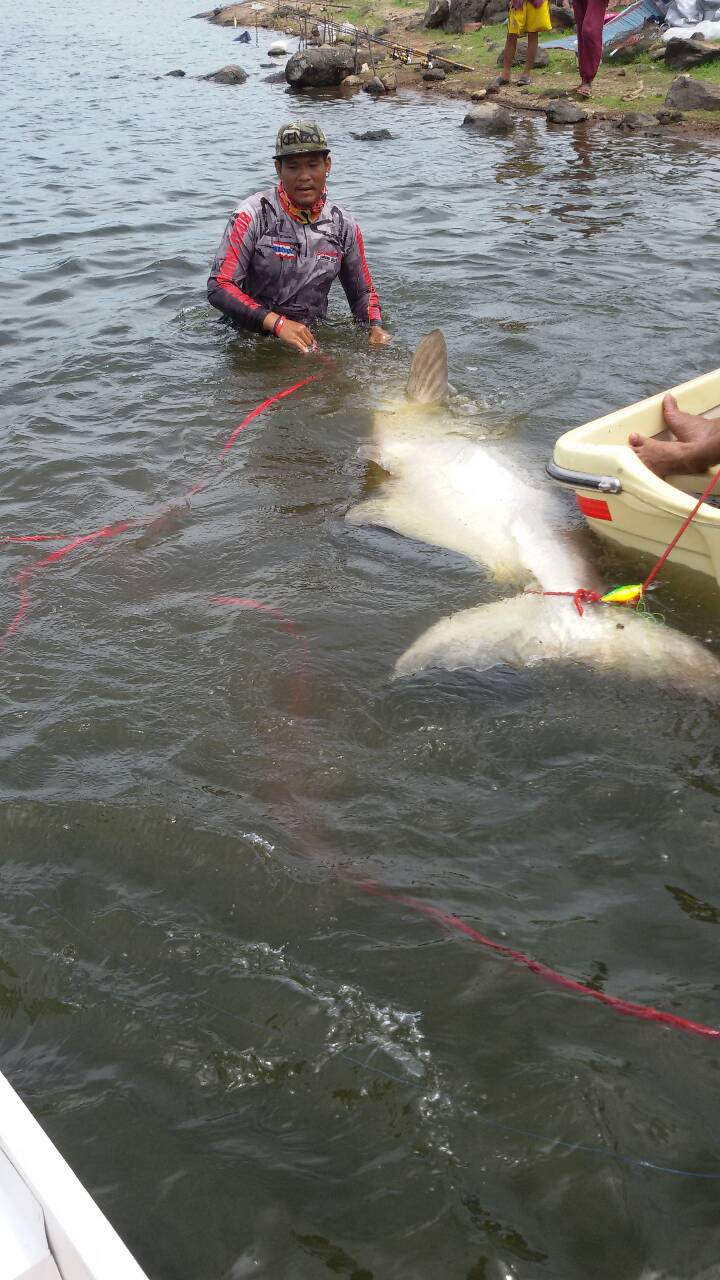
<point x="50" y="1227"/>
<point x="626" y="502"/>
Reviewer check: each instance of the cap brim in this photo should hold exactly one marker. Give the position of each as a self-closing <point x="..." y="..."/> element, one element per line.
<point x="302" y="151"/>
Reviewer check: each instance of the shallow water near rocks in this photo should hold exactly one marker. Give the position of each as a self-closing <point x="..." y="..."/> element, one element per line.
<point x="257" y="1068"/>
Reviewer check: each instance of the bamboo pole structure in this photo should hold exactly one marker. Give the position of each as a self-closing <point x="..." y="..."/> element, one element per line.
<point x="370" y="51"/>
<point x="387" y="44"/>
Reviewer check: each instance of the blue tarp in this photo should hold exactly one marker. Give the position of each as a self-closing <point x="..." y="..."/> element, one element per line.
<point x="631" y="19"/>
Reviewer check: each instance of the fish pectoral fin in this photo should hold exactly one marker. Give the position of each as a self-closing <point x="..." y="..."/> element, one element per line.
<point x="385" y="512"/>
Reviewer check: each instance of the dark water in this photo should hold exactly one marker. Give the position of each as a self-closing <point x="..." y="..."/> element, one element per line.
<point x="257" y="1069"/>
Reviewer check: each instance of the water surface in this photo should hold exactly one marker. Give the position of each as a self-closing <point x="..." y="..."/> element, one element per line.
<point x="256" y="1068"/>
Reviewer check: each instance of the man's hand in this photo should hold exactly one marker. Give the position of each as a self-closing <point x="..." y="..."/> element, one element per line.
<point x="291" y="333"/>
<point x="378" y="337"/>
<point x="297" y="336"/>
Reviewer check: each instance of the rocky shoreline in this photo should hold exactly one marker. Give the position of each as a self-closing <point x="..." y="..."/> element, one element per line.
<point x="378" y="72"/>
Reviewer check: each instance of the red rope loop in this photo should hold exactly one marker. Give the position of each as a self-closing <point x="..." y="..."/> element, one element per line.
<point x="581" y="596"/>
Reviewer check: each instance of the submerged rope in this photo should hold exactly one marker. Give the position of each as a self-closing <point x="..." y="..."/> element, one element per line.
<point x="460" y="1102"/>
<point x="643" y="1011"/>
<point x="110" y="531"/>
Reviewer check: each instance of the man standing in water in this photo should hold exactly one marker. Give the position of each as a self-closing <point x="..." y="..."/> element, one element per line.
<point x="283" y="247"/>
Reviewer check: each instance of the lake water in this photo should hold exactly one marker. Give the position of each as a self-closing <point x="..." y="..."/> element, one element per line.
<point x="256" y="1068"/>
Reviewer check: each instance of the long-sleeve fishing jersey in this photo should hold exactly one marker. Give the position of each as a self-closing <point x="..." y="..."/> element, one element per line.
<point x="275" y="257"/>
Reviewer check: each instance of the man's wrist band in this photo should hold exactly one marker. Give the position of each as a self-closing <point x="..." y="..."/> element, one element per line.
<point x="278" y="326"/>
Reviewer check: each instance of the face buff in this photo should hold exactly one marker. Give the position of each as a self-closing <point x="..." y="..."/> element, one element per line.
<point x="301" y="215"/>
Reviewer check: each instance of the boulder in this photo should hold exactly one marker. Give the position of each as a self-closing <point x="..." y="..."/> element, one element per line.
<point x="381" y="31"/>
<point x="279" y="49"/>
<point x="437" y="13"/>
<point x="489" y="118"/>
<point x="562" y="17"/>
<point x="686" y="94"/>
<point x="372" y="135"/>
<point x="243" y="38"/>
<point x="174" y="73"/>
<point x="637" y="120"/>
<point x="227" y="75"/>
<point x="320" y="68"/>
<point x="277" y="77"/>
<point x="351" y="82"/>
<point x="433" y="73"/>
<point x="469" y="12"/>
<point x="542" y="57"/>
<point x="478" y="95"/>
<point x="389" y="80"/>
<point x="562" y="112"/>
<point x="375" y="86"/>
<point x="663" y="116"/>
<point x="681" y="54"/>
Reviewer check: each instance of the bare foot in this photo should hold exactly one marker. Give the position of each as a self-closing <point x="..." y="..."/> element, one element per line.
<point x="685" y="426"/>
<point x="664" y="457"/>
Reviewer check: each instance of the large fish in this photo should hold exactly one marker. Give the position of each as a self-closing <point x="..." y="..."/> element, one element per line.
<point x="449" y="490"/>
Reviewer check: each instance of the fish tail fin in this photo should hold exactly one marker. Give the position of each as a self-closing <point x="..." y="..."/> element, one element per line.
<point x="428" y="381"/>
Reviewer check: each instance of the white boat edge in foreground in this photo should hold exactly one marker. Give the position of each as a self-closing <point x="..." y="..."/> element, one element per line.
<point x="82" y="1242"/>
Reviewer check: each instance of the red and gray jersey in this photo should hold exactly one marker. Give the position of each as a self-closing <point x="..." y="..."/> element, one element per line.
<point x="269" y="261"/>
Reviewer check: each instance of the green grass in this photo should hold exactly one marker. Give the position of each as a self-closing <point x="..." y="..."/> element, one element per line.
<point x="612" y="91"/>
<point x="711" y="72"/>
<point x="360" y="15"/>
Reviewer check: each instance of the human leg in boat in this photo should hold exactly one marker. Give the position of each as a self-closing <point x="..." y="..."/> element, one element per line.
<point x="695" y="448"/>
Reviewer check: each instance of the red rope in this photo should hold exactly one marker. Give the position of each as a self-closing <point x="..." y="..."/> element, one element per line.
<point x="244" y="602"/>
<point x="583" y="595"/>
<point x="687" y="521"/>
<point x="109" y="531"/>
<point x="646" y="1012"/>
<point x="260" y="408"/>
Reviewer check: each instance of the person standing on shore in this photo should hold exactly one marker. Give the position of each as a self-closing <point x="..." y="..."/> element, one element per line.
<point x="283" y="248"/>
<point x="525" y="17"/>
<point x="589" y="20"/>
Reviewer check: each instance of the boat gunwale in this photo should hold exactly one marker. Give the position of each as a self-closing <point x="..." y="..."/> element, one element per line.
<point x="599" y="448"/>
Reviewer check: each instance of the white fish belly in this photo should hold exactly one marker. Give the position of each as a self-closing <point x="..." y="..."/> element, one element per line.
<point x="453" y="493"/>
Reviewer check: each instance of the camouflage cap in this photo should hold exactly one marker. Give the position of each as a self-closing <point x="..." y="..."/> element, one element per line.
<point x="300" y="137"/>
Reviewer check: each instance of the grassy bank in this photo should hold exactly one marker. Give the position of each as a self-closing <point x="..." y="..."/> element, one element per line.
<point x="640" y="85"/>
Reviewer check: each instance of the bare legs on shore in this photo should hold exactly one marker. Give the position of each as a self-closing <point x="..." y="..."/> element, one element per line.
<point x="509" y="59"/>
<point x="695" y="448"/>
